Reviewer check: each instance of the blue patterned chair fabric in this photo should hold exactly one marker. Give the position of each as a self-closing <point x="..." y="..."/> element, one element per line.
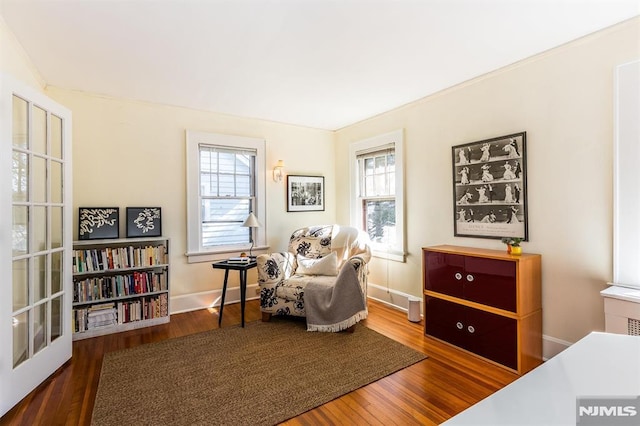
<point x="282" y="284"/>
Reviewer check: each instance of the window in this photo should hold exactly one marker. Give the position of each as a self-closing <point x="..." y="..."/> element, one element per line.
<point x="225" y="182"/>
<point x="377" y="206"/>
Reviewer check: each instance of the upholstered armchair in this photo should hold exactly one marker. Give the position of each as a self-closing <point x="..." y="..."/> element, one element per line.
<point x="328" y="259"/>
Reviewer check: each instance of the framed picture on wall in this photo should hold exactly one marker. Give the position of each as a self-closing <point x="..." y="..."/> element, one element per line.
<point x="305" y="193"/>
<point x="96" y="223"/>
<point x="144" y="222"/>
<point x="490" y="188"/>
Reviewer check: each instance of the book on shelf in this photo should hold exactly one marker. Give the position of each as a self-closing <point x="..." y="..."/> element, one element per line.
<point x="101" y="306"/>
<point x="109" y="258"/>
<point x="101" y="315"/>
<point x="238" y="260"/>
<point x="92" y="323"/>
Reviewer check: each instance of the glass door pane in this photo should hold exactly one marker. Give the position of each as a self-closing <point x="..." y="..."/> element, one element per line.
<point x="20" y="338"/>
<point x="39" y="278"/>
<point x="56" y="272"/>
<point x="56" y="318"/>
<point x="20" y="184"/>
<point x="56" y="181"/>
<point x="20" y="230"/>
<point x="56" y="137"/>
<point x="39" y="228"/>
<point x="20" y="122"/>
<point x="56" y="227"/>
<point x="39" y="130"/>
<point x="20" y="278"/>
<point x="40" y="327"/>
<point x="38" y="193"/>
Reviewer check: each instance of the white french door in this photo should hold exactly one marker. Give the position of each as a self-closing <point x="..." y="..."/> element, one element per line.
<point x="35" y="239"/>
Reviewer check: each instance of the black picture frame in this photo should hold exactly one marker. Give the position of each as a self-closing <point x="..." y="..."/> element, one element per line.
<point x="305" y="193"/>
<point x="98" y="223"/>
<point x="490" y="188"/>
<point x="144" y="222"/>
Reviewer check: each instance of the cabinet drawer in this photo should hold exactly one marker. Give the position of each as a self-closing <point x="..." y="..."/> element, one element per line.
<point x="486" y="334"/>
<point x="493" y="336"/>
<point x="491" y="282"/>
<point x="444" y="273"/>
<point x="445" y="321"/>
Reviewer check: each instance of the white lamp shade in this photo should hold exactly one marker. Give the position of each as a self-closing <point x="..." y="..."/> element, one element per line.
<point x="252" y="221"/>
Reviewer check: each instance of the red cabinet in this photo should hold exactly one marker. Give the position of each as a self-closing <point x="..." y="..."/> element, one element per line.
<point x="486" y="302"/>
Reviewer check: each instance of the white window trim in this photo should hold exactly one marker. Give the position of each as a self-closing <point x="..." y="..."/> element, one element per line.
<point x="195" y="251"/>
<point x="398" y="252"/>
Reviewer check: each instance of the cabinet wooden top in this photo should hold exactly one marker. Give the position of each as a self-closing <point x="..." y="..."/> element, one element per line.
<point x="473" y="251"/>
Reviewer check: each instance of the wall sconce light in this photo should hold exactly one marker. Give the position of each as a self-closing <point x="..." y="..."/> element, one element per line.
<point x="278" y="171"/>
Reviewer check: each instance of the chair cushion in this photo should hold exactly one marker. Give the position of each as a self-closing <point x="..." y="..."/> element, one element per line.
<point x="327" y="265"/>
<point x="312" y="242"/>
<point x="293" y="288"/>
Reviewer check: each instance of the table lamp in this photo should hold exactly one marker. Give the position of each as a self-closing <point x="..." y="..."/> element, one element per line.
<point x="251" y="222"/>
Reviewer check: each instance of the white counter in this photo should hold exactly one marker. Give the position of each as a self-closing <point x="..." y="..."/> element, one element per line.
<point x="599" y="365"/>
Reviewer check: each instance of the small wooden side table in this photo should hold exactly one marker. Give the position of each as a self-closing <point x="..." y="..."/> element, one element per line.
<point x="242" y="268"/>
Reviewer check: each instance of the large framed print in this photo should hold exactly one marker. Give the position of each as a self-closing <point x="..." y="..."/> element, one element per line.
<point x="305" y="193"/>
<point x="96" y="223"/>
<point x="490" y="188"/>
<point x="144" y="222"/>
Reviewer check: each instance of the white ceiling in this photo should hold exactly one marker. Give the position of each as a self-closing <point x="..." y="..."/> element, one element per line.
<point x="317" y="63"/>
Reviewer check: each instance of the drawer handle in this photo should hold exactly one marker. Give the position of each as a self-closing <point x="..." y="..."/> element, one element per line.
<point x="471" y="329"/>
<point x="458" y="276"/>
<point x="470" y="278"/>
<point x="459" y="325"/>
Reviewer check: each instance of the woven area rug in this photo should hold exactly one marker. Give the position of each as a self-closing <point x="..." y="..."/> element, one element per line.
<point x="262" y="374"/>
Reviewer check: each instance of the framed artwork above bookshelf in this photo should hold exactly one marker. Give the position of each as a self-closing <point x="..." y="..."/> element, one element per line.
<point x="98" y="223"/>
<point x="144" y="222"/>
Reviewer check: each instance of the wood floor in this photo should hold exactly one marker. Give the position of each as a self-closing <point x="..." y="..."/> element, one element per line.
<point x="427" y="393"/>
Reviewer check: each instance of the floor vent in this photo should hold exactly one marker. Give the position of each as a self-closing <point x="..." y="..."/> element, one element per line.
<point x="634" y="327"/>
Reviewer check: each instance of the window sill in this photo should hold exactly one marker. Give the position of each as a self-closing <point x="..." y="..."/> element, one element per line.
<point x="213" y="255"/>
<point x="396" y="256"/>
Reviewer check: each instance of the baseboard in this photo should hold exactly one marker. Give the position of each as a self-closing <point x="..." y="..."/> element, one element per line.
<point x="393" y="298"/>
<point x="552" y="346"/>
<point x="210" y="299"/>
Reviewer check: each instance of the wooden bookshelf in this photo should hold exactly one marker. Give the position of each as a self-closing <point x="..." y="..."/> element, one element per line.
<point x="119" y="285"/>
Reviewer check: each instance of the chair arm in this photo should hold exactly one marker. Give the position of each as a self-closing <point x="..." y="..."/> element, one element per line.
<point x="275" y="267"/>
<point x="357" y="262"/>
<point x="362" y="269"/>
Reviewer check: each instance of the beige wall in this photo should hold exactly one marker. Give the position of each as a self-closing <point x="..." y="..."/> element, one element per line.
<point x="14" y="61"/>
<point x="133" y="154"/>
<point x="563" y="100"/>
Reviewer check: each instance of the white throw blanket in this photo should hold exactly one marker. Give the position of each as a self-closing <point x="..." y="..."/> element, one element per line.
<point x="336" y="307"/>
